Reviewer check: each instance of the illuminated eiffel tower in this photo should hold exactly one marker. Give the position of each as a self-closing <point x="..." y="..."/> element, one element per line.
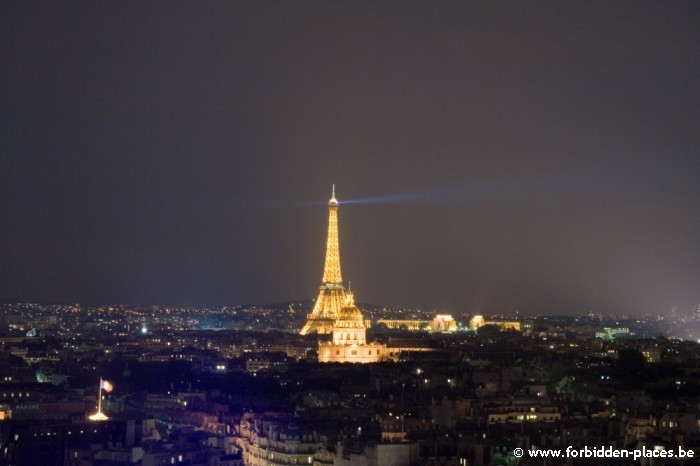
<point x="331" y="296"/>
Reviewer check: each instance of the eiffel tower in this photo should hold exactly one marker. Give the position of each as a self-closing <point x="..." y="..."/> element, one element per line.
<point x="331" y="296"/>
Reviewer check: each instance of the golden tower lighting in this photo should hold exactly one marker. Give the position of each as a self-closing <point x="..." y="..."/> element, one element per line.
<point x="331" y="296"/>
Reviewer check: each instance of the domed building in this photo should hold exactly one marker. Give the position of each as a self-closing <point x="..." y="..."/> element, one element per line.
<point x="349" y="343"/>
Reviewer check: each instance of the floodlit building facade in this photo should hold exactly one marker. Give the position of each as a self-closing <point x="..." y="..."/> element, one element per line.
<point x="349" y="341"/>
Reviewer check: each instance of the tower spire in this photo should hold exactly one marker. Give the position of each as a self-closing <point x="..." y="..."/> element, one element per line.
<point x="331" y="269"/>
<point x="333" y="200"/>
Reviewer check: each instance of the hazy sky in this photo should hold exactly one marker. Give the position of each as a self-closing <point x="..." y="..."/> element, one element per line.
<point x="540" y="156"/>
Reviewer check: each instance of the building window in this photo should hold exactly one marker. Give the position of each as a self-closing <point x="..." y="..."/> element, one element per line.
<point x="354" y="352"/>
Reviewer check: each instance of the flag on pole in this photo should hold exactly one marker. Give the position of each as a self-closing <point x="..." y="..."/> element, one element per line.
<point x="107" y="386"/>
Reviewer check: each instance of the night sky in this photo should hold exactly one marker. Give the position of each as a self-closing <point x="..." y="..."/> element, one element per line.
<point x="532" y="156"/>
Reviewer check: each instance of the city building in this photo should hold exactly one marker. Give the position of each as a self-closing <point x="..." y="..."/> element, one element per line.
<point x="612" y="333"/>
<point x="405" y="324"/>
<point x="478" y="321"/>
<point x="273" y="362"/>
<point x="349" y="338"/>
<point x="440" y="323"/>
<point x="444" y="323"/>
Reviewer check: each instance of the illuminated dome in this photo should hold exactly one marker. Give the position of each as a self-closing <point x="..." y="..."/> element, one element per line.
<point x="349" y="342"/>
<point x="349" y="329"/>
<point x="350" y="315"/>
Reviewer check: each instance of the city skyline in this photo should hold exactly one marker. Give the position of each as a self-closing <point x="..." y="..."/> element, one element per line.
<point x="540" y="158"/>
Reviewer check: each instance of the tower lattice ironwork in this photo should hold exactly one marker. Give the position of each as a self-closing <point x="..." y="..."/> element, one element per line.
<point x="331" y="296"/>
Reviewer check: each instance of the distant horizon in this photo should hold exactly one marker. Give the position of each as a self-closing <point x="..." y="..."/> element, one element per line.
<point x="360" y="304"/>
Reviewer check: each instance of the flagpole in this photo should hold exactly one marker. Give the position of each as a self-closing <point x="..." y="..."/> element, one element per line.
<point x="99" y="397"/>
